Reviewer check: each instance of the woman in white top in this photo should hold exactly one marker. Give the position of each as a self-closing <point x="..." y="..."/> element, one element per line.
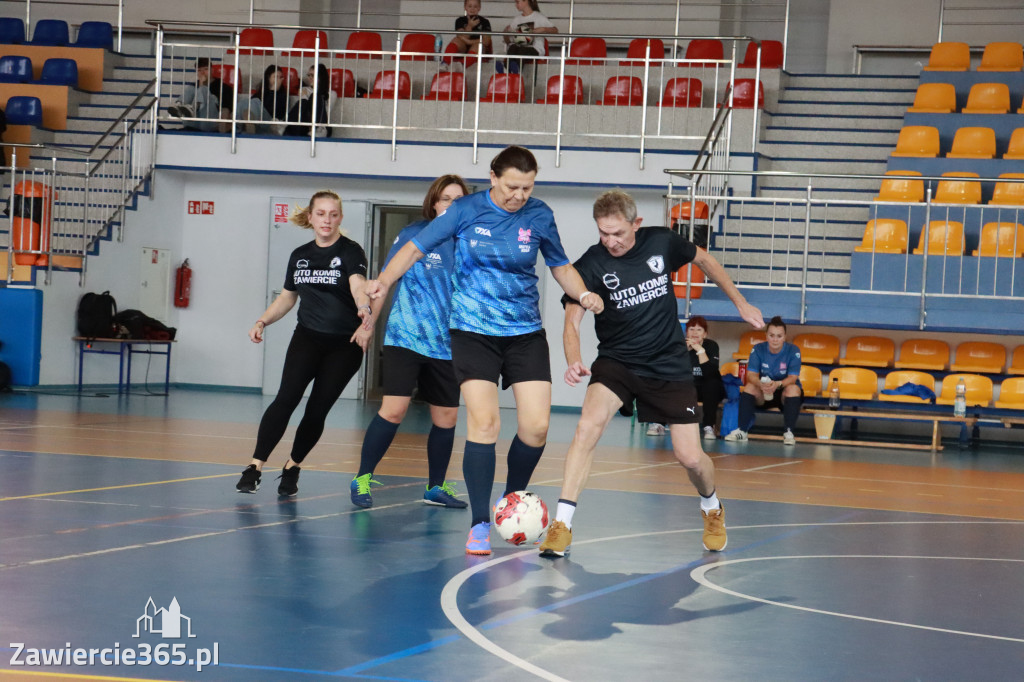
<point x="529" y="21"/>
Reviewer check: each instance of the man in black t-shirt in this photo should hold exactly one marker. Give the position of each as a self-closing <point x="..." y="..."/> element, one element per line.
<point x="641" y="354"/>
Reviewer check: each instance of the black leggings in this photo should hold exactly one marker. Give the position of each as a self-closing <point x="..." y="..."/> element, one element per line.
<point x="329" y="365"/>
<point x="710" y="394"/>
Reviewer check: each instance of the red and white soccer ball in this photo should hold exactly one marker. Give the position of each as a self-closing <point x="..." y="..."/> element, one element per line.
<point x="521" y="517"/>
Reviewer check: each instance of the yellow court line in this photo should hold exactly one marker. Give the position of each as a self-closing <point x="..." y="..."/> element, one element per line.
<point x="115" y="487"/>
<point x="75" y="676"/>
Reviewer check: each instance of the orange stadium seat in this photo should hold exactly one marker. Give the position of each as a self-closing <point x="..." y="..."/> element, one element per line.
<point x="988" y="98"/>
<point x="901" y="190"/>
<point x="958" y="191"/>
<point x="1005" y="240"/>
<point x="980" y="357"/>
<point x="732" y="368"/>
<point x="1016" y="361"/>
<point x="1015" y="150"/>
<point x="682" y="92"/>
<point x="945" y="237"/>
<point x="934" y="98"/>
<point x="505" y="88"/>
<point x="1002" y="57"/>
<point x="1008" y="193"/>
<point x="363" y="43"/>
<point x="973" y="143"/>
<point x="587" y="52"/>
<point x="638" y="51"/>
<point x="894" y="380"/>
<point x="855" y="383"/>
<point x="771" y="55"/>
<point x="979" y="389"/>
<point x="1011" y="394"/>
<point x="884" y="235"/>
<point x="918" y="141"/>
<point x="747" y="341"/>
<point x="930" y="354"/>
<point x="573" y="93"/>
<point x="447" y="86"/>
<point x="626" y="91"/>
<point x="949" y="57"/>
<point x="869" y="351"/>
<point x="818" y="349"/>
<point x="810" y="380"/>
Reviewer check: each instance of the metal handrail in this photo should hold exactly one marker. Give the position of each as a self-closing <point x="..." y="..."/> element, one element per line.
<point x="124" y="115"/>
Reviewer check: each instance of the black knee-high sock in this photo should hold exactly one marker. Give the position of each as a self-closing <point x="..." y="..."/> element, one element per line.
<point x="439" y="453"/>
<point x="376" y="442"/>
<point x="478" y="471"/>
<point x="790" y="412"/>
<point x="747" y="406"/>
<point x="522" y="460"/>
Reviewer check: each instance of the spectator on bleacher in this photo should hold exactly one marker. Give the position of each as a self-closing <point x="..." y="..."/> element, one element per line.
<point x="477" y="42"/>
<point x="773" y="380"/>
<point x="269" y="102"/>
<point x="306" y="110"/>
<point x="202" y="98"/>
<point x="707" y="376"/>
<point x="529" y="21"/>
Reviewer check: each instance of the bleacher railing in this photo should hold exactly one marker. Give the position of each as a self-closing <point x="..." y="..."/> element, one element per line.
<point x="807" y="242"/>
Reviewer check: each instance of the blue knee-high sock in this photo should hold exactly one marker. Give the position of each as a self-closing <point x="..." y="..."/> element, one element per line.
<point x="747" y="406"/>
<point x="790" y="412"/>
<point x="478" y="471"/>
<point x="439" y="453"/>
<point x="522" y="460"/>
<point x="376" y="442"/>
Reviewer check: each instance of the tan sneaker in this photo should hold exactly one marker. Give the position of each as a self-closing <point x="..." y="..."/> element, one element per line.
<point x="557" y="541"/>
<point x="714" y="529"/>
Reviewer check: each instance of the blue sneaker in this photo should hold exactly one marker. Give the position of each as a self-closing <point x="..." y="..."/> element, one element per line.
<point x="443" y="496"/>
<point x="360" y="489"/>
<point x="479" y="540"/>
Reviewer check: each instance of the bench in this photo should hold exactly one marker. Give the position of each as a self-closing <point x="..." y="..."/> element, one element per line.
<point x="125" y="349"/>
<point x="934" y="417"/>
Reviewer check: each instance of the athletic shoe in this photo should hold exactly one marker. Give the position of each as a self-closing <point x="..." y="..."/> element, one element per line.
<point x="736" y="434"/>
<point x="656" y="430"/>
<point x="360" y="489"/>
<point x="479" y="540"/>
<point x="714" y="529"/>
<point x="250" y="480"/>
<point x="443" y="496"/>
<point x="709" y="433"/>
<point x="557" y="541"/>
<point x="289" y="484"/>
<point x="180" y="110"/>
<point x="788" y="438"/>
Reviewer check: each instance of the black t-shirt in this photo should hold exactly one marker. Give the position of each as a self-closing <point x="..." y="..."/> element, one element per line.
<point x="640" y="324"/>
<point x="320" y="276"/>
<point x="484" y="25"/>
<point x="709" y="372"/>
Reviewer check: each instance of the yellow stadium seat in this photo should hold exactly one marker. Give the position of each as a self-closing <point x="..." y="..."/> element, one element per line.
<point x="918" y="141"/>
<point x="1008" y="193"/>
<point x="810" y="380"/>
<point x="818" y="349"/>
<point x="979" y="389"/>
<point x="901" y="190"/>
<point x="869" y="351"/>
<point x="732" y="368"/>
<point x="1002" y="57"/>
<point x="884" y="235"/>
<point x="1011" y="394"/>
<point x="982" y="357"/>
<point x="1015" y="150"/>
<point x="944" y="237"/>
<point x="988" y="98"/>
<point x="748" y="339"/>
<point x="1005" y="240"/>
<point x="894" y="380"/>
<point x="930" y="354"/>
<point x="1016" y="361"/>
<point x="949" y="57"/>
<point x="958" y="191"/>
<point x="934" y="98"/>
<point x="973" y="143"/>
<point x="855" y="383"/>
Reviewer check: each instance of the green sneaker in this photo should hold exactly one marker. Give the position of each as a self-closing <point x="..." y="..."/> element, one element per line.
<point x="360" y="489"/>
<point x="443" y="496"/>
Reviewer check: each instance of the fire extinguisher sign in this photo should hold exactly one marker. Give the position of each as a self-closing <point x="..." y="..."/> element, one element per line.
<point x="200" y="208"/>
<point x="280" y="212"/>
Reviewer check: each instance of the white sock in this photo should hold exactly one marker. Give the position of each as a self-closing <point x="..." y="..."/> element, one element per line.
<point x="564" y="513"/>
<point x="709" y="503"/>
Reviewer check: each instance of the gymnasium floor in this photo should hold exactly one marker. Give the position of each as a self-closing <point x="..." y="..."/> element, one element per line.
<point x="842" y="563"/>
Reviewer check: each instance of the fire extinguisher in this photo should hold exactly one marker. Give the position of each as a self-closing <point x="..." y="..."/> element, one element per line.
<point x="182" y="285"/>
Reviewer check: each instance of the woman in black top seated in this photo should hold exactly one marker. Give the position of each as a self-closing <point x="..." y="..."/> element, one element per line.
<point x="306" y="110"/>
<point x="269" y="102"/>
<point x="706" y="374"/>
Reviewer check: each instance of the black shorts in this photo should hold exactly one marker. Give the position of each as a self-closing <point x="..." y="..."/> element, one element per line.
<point x="776" y="400"/>
<point x="657" y="400"/>
<point x="513" y="358"/>
<point x="405" y="370"/>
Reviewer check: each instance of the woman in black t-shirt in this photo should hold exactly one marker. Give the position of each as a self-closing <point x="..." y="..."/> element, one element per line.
<point x="327" y="277"/>
<point x="471" y="31"/>
<point x="707" y="377"/>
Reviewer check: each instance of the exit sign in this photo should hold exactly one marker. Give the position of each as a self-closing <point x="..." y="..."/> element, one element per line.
<point x="200" y="208"/>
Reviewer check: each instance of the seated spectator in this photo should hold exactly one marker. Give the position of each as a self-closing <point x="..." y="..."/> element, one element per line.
<point x="707" y="376"/>
<point x="306" y="110"/>
<point x="269" y="102"/>
<point x="472" y="43"/>
<point x="203" y="98"/>
<point x="773" y="380"/>
<point x="529" y="21"/>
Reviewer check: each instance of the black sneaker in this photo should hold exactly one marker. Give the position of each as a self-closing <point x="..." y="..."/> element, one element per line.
<point x="289" y="484"/>
<point x="250" y="480"/>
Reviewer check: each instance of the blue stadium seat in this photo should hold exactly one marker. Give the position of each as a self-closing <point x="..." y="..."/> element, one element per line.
<point x="52" y="32"/>
<point x="12" y="31"/>
<point x="95" y="34"/>
<point x="60" y="71"/>
<point x="15" y="69"/>
<point x="23" y="110"/>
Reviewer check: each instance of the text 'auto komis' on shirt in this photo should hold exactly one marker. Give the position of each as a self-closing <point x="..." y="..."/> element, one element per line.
<point x="319" y="274"/>
<point x="419" y="311"/>
<point x="495" y="262"/>
<point x="639" y="326"/>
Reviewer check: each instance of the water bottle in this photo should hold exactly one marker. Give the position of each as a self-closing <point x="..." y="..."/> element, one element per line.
<point x="438" y="44"/>
<point x="960" y="402"/>
<point x="765" y="380"/>
<point x="833" y="395"/>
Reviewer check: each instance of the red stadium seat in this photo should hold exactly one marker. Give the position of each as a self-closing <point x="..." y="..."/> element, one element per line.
<point x="638" y="50"/>
<point x="254" y="37"/>
<point x="384" y="86"/>
<point x="363" y="43"/>
<point x="343" y="83"/>
<point x="581" y="48"/>
<point x="682" y="92"/>
<point x="505" y="88"/>
<point x="573" y="93"/>
<point x="306" y="40"/>
<point x="625" y="91"/>
<point x="420" y="44"/>
<point x="743" y="94"/>
<point x="447" y="86"/>
<point x="771" y="55"/>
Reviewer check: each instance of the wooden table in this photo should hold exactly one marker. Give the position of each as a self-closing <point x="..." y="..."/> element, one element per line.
<point x="125" y="349"/>
<point x="901" y="415"/>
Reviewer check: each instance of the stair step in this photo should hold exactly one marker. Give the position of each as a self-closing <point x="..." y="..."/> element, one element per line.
<point x="836" y="80"/>
<point x="849" y="95"/>
<point x="850" y="121"/>
<point x="775" y="134"/>
<point x="839" y="151"/>
<point x="787" y="107"/>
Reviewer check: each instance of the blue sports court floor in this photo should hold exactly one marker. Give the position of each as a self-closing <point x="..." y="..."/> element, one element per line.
<point x="119" y="518"/>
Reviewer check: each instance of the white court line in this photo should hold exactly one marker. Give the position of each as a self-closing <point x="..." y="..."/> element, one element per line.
<point x="772" y="466"/>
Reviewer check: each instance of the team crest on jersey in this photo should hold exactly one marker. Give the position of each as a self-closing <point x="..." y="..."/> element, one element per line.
<point x="483" y="231"/>
<point x="433" y="260"/>
<point x="611" y="280"/>
<point x="335" y="262"/>
<point x="473" y="243"/>
<point x="656" y="264"/>
<point x="524" y="235"/>
<point x="302" y="264"/>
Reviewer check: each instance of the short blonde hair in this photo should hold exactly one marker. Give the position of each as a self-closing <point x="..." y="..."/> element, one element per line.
<point x="615" y="202"/>
<point x="300" y="216"/>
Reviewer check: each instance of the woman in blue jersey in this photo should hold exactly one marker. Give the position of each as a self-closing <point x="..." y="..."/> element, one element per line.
<point x="417" y="353"/>
<point x="496" y="329"/>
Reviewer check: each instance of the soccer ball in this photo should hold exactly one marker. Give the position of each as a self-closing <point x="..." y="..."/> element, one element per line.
<point x="521" y="517"/>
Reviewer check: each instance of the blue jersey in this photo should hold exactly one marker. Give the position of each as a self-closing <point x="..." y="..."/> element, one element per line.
<point x="495" y="262"/>
<point x="422" y="302"/>
<point x="776" y="366"/>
